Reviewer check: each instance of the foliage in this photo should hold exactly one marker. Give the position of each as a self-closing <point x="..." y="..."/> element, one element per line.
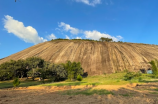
<point x="57" y="72"/>
<point x="34" y="62"/>
<point x="74" y="39"/>
<point x="131" y="75"/>
<point x="103" y="39"/>
<point x="42" y="74"/>
<point x="73" y="69"/>
<point x="33" y="73"/>
<point x="36" y="67"/>
<point x="79" y="77"/>
<point x="16" y="82"/>
<point x="154" y="66"/>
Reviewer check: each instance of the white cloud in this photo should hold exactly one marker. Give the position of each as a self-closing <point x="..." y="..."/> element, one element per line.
<point x="119" y="37"/>
<point x="96" y="35"/>
<point x="67" y="27"/>
<point x="67" y="37"/>
<point x="28" y="34"/>
<point x="78" y="38"/>
<point x="52" y="36"/>
<point x="90" y="2"/>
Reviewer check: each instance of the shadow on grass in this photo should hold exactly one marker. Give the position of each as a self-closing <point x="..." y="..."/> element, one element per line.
<point x="147" y="81"/>
<point x="70" y="84"/>
<point x="4" y="85"/>
<point x="87" y="92"/>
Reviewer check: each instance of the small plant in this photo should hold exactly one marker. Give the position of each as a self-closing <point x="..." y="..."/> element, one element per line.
<point x="16" y="82"/>
<point x="129" y="76"/>
<point x="140" y="79"/>
<point x="138" y="74"/>
<point x="79" y="77"/>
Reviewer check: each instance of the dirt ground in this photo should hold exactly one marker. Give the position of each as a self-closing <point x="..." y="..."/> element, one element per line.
<point x="126" y="94"/>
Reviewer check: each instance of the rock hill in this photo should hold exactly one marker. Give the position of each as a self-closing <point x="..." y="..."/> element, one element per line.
<point x="95" y="57"/>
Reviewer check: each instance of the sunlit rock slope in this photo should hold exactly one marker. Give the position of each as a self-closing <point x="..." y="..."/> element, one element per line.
<point x="95" y="57"/>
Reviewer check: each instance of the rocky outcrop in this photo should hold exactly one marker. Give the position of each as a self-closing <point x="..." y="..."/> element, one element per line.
<point x="95" y="57"/>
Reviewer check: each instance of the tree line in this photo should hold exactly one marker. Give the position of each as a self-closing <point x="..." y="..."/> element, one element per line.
<point x="36" y="67"/>
<point x="102" y="39"/>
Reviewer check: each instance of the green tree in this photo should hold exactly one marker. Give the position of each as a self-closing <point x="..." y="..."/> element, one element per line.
<point x="154" y="66"/>
<point x="33" y="63"/>
<point x="57" y="71"/>
<point x="21" y="68"/>
<point x="73" y="69"/>
<point x="5" y="73"/>
<point x="103" y="39"/>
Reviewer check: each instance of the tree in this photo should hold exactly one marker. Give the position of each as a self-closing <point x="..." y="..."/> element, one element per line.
<point x="21" y="68"/>
<point x="103" y="39"/>
<point x="33" y="63"/>
<point x="5" y="72"/>
<point x="73" y="69"/>
<point x="78" y="70"/>
<point x="57" y="71"/>
<point x="154" y="66"/>
<point x="33" y="73"/>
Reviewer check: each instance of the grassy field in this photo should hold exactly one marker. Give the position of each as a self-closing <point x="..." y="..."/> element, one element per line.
<point x="108" y="79"/>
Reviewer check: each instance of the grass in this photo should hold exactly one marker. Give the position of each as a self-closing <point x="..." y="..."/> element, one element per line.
<point x="106" y="79"/>
<point x="87" y="92"/>
<point x="9" y="84"/>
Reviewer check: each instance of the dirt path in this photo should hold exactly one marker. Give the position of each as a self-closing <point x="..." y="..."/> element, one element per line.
<point x="126" y="94"/>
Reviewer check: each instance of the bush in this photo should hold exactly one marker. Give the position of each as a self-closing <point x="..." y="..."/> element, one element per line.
<point x="79" y="77"/>
<point x="16" y="82"/>
<point x="131" y="75"/>
<point x="138" y="74"/>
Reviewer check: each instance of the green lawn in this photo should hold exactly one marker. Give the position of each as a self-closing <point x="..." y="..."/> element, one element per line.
<point x="108" y="79"/>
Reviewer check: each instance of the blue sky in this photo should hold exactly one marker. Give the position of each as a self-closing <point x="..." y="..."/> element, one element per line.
<point x="28" y="22"/>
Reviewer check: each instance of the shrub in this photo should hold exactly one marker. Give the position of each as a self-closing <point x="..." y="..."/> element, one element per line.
<point x="154" y="66"/>
<point x="79" y="77"/>
<point x="138" y="74"/>
<point x="16" y="82"/>
<point x="129" y="76"/>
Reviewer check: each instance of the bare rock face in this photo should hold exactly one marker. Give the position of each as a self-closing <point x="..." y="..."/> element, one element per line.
<point x="95" y="57"/>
